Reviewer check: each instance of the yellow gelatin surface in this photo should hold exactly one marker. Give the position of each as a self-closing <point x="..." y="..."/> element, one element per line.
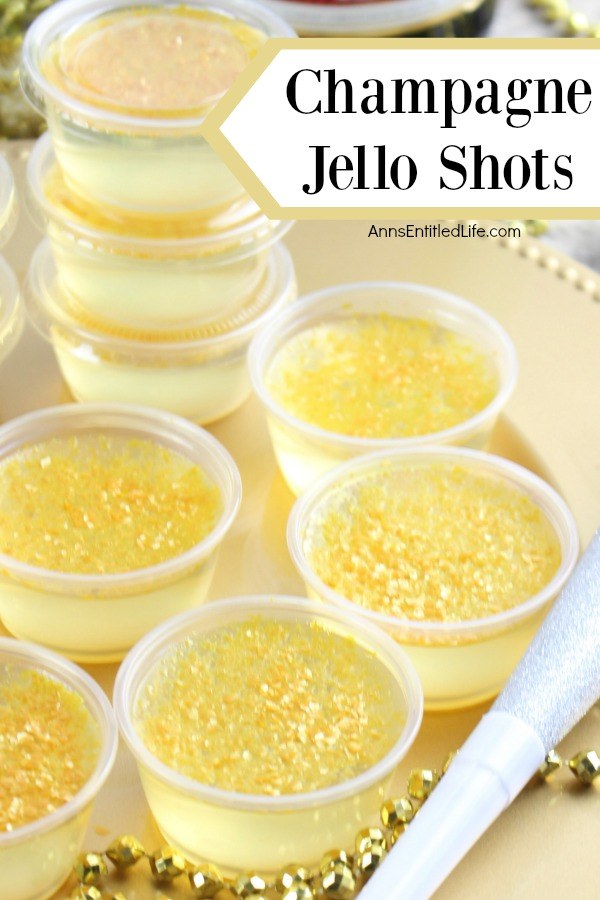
<point x="437" y="543"/>
<point x="381" y="376"/>
<point x="269" y="707"/>
<point x="101" y="504"/>
<point x="175" y="61"/>
<point x="49" y="746"/>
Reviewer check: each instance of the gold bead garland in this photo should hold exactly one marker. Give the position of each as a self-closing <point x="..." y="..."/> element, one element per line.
<point x="205" y="881"/>
<point x="124" y="852"/>
<point x="551" y="764"/>
<point x="585" y="766"/>
<point x="90" y="868"/>
<point x="17" y="117"/>
<point x="291" y="876"/>
<point x="339" y="874"/>
<point x="167" y="864"/>
<point x="532" y="227"/>
<point x="562" y="13"/>
<point x="421" y="783"/>
<point x="397" y="812"/>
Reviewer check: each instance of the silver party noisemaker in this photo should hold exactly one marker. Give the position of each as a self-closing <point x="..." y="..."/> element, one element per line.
<point x="553" y="686"/>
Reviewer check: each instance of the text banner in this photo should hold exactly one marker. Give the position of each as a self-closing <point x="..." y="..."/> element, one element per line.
<point x="438" y="128"/>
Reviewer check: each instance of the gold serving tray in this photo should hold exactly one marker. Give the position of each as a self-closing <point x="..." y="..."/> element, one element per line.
<point x="545" y="846"/>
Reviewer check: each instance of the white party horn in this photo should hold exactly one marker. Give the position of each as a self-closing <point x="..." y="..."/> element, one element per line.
<point x="553" y="686"/>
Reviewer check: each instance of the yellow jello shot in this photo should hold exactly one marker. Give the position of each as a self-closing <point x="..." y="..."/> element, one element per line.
<point x="200" y="373"/>
<point x="58" y="742"/>
<point x="266" y="729"/>
<point x="126" y="88"/>
<point x="366" y="366"/>
<point x="456" y="553"/>
<point x="149" y="272"/>
<point x="110" y="520"/>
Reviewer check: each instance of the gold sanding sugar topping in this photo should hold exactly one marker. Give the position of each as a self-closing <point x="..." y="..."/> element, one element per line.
<point x="381" y="376"/>
<point x="101" y="504"/>
<point x="270" y="707"/>
<point x="49" y="746"/>
<point x="436" y="543"/>
<point x="171" y="62"/>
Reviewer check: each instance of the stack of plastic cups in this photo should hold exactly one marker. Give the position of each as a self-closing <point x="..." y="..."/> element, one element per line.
<point x="157" y="268"/>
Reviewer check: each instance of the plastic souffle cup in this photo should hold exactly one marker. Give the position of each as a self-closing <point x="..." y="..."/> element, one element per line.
<point x="144" y="160"/>
<point x="98" y="617"/>
<point x="199" y="373"/>
<point x="385" y="18"/>
<point x="460" y="663"/>
<point x="8" y="202"/>
<point x="11" y="310"/>
<point x="257" y="832"/>
<point x="37" y="858"/>
<point x="149" y="272"/>
<point x="305" y="451"/>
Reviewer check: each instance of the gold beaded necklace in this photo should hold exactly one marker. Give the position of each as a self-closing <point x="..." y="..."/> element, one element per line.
<point x="573" y="22"/>
<point x="340" y="875"/>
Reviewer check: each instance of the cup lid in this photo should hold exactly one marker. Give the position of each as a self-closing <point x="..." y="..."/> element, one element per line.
<point x="55" y="313"/>
<point x="8" y="206"/>
<point x="235" y="233"/>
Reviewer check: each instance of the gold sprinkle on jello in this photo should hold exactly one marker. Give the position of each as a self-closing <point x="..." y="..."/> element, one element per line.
<point x="168" y="62"/>
<point x="435" y="543"/>
<point x="49" y="745"/>
<point x="101" y="504"/>
<point x="269" y="707"/>
<point x="381" y="376"/>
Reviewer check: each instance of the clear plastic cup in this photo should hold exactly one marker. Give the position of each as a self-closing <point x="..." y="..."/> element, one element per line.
<point x="149" y="273"/>
<point x="459" y="663"/>
<point x="199" y="373"/>
<point x="305" y="451"/>
<point x="11" y="310"/>
<point x="8" y="202"/>
<point x="385" y="18"/>
<point x="97" y="618"/>
<point x="144" y="164"/>
<point x="37" y="858"/>
<point x="239" y="831"/>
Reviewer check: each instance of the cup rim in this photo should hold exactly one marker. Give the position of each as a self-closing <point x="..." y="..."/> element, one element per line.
<point x="8" y="201"/>
<point x="248" y="232"/>
<point x="366" y="17"/>
<point x="12" y="316"/>
<point x="545" y="497"/>
<point x="46" y="312"/>
<point x="161" y="637"/>
<point x="77" y="680"/>
<point x="155" y="425"/>
<point x="65" y="16"/>
<point x="305" y="312"/>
